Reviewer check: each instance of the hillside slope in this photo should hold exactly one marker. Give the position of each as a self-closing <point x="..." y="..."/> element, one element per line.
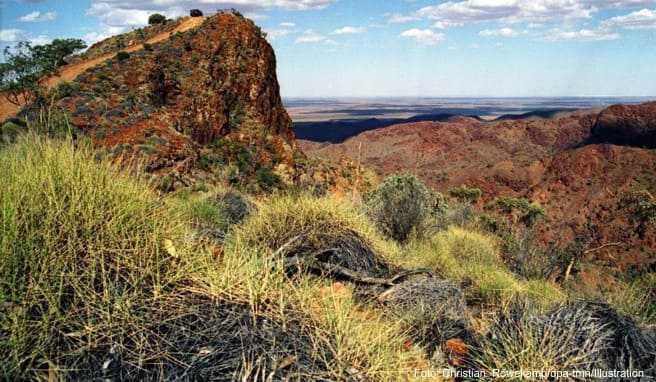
<point x="98" y="54"/>
<point x="550" y="161"/>
<point x="201" y="97"/>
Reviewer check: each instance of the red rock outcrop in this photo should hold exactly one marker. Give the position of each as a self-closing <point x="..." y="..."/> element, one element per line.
<point x="204" y="97"/>
<point x="633" y="125"/>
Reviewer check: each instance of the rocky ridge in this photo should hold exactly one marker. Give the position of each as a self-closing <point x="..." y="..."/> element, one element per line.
<point x="578" y="165"/>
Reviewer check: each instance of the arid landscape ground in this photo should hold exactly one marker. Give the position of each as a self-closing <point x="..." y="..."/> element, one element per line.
<point x="166" y="216"/>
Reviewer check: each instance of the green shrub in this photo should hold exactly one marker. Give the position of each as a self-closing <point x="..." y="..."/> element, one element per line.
<point x="641" y="206"/>
<point x="122" y="55"/>
<point x="156" y="18"/>
<point x="218" y="210"/>
<point x="147" y="47"/>
<point x="466" y="194"/>
<point x="474" y="259"/>
<point x="530" y="212"/>
<point x="266" y="179"/>
<point x="66" y="89"/>
<point x="9" y="131"/>
<point x="399" y="206"/>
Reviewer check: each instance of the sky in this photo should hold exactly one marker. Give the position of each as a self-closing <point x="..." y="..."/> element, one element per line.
<point x="417" y="48"/>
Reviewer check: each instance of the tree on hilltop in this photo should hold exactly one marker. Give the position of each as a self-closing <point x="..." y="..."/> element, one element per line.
<point x="156" y="18"/>
<point x="25" y="65"/>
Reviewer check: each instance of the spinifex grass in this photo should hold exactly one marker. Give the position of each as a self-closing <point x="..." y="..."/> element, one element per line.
<point x="82" y="248"/>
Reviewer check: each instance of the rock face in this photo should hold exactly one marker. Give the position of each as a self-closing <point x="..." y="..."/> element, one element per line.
<point x="633" y="125"/>
<point x="208" y="96"/>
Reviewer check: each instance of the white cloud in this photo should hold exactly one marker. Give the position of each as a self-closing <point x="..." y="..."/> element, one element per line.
<point x="12" y="36"/>
<point x="128" y="13"/>
<point x="108" y="31"/>
<point x="287" y="25"/>
<point x="397" y="18"/>
<point x="447" y="24"/>
<point x="312" y="37"/>
<point x="600" y="34"/>
<point x="350" y="30"/>
<point x="119" y="17"/>
<point x="501" y="32"/>
<point x="643" y="19"/>
<point x="256" y="16"/>
<point x="274" y="34"/>
<point x="37" y="16"/>
<point x="529" y="11"/>
<point x="423" y="36"/>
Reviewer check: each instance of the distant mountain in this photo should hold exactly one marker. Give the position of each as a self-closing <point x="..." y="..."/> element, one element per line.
<point x="555" y="159"/>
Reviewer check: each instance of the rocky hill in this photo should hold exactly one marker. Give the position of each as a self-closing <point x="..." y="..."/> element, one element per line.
<point x="627" y="125"/>
<point x="193" y="101"/>
<point x="556" y="161"/>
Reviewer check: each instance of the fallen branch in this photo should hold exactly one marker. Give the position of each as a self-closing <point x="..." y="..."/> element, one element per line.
<point x="338" y="270"/>
<point x="288" y="244"/>
<point x="603" y="246"/>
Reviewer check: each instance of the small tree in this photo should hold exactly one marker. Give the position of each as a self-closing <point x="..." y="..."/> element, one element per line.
<point x="530" y="212"/>
<point x="25" y="65"/>
<point x="156" y="18"/>
<point x="196" y="13"/>
<point x="53" y="55"/>
<point x="19" y="74"/>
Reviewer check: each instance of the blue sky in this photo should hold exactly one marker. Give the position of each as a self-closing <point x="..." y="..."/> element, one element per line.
<point x="338" y="48"/>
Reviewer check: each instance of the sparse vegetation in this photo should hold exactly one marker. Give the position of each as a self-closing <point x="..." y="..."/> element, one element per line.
<point x="233" y="256"/>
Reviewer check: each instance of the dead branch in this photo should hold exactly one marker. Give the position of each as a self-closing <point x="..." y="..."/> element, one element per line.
<point x="617" y="244"/>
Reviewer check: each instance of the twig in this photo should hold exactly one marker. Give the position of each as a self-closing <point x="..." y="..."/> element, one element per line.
<point x="347" y="273"/>
<point x="403" y="275"/>
<point x="617" y="244"/>
<point x="288" y="244"/>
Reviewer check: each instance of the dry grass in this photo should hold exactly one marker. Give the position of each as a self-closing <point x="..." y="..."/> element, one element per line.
<point x="474" y="260"/>
<point x="82" y="246"/>
<point x="105" y="278"/>
<point x="578" y="336"/>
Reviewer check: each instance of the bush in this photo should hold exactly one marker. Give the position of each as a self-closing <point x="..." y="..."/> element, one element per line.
<point x="399" y="206"/>
<point x="147" y="47"/>
<point x="301" y="225"/>
<point x="214" y="214"/>
<point x="473" y="259"/>
<point x="432" y="309"/>
<point x="465" y="194"/>
<point x="575" y="337"/>
<point x="196" y="13"/>
<point x="156" y="18"/>
<point x="266" y="179"/>
<point x="530" y="212"/>
<point x="122" y="55"/>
